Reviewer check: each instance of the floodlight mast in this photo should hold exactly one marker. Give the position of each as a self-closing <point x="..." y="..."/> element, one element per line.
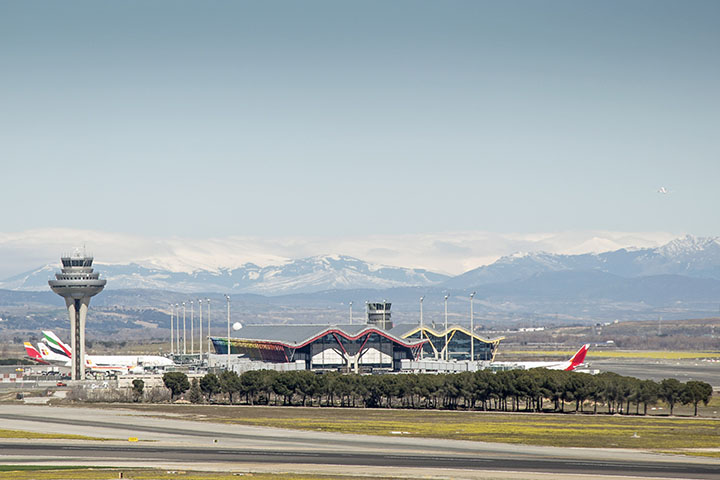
<point x="421" y="326"/>
<point x="184" y="334"/>
<point x="200" y="325"/>
<point x="351" y="312"/>
<point x="208" y="330"/>
<point x="227" y="297"/>
<point x="177" y="328"/>
<point x="172" y="329"/>
<point x="447" y="350"/>
<point x="472" y="329"/>
<point x="192" y="328"/>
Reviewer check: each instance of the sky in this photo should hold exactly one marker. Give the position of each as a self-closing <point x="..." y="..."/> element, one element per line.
<point x="289" y="121"/>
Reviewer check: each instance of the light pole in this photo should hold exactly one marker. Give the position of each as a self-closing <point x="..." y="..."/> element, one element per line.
<point x="472" y="329"/>
<point x="184" y="334"/>
<point x="208" y="315"/>
<point x="177" y="328"/>
<point x="227" y="297"/>
<point x="447" y="350"/>
<point x="350" y="312"/>
<point x="172" y="328"/>
<point x="200" y="325"/>
<point x="192" y="328"/>
<point x="421" y="327"/>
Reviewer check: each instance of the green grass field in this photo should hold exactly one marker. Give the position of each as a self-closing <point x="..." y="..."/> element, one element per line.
<point x="655" y="433"/>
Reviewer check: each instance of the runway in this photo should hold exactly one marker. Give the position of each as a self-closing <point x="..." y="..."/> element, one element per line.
<point x="646" y="369"/>
<point x="183" y="443"/>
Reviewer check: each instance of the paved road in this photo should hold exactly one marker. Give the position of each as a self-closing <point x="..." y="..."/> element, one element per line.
<point x="180" y="442"/>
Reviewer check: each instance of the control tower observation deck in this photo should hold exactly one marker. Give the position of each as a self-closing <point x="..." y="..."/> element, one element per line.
<point x="77" y="283"/>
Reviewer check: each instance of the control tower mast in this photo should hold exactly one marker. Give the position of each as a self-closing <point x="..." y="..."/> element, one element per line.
<point x="76" y="283"/>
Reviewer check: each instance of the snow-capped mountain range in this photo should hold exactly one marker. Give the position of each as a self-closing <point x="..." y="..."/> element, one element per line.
<point x="689" y="256"/>
<point x="697" y="257"/>
<point x="329" y="272"/>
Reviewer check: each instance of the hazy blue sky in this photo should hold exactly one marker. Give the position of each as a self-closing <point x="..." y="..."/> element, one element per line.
<point x="338" y="118"/>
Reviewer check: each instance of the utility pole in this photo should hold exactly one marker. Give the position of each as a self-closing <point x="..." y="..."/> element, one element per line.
<point x="192" y="328"/>
<point x="184" y="334"/>
<point x="351" y="312"/>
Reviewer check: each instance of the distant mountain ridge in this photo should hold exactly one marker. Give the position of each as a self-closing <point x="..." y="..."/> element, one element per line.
<point x="689" y="256"/>
<point x="312" y="274"/>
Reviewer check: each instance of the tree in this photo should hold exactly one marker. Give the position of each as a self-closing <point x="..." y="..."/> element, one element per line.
<point x="670" y="391"/>
<point x="695" y="392"/>
<point x="195" y="395"/>
<point x="649" y="392"/>
<point x="137" y="389"/>
<point x="177" y="382"/>
<point x="229" y="383"/>
<point x="210" y="385"/>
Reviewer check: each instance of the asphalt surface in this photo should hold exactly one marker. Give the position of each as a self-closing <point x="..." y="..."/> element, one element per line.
<point x="518" y="462"/>
<point x="175" y="441"/>
<point x="657" y="370"/>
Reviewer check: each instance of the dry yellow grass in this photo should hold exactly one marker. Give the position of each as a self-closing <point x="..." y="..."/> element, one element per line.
<point x="23" y="434"/>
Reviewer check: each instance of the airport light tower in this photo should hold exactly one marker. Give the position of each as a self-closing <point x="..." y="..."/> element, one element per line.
<point x="76" y="283"/>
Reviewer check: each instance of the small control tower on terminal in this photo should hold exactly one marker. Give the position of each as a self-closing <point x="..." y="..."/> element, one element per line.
<point x="378" y="314"/>
<point x="76" y="283"/>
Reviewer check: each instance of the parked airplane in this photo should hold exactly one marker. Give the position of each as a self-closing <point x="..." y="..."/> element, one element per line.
<point x="57" y="352"/>
<point x="34" y="354"/>
<point x="51" y="357"/>
<point x="568" y="365"/>
<point x="113" y="360"/>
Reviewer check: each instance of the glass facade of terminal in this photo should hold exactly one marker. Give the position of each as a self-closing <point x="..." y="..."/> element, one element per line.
<point x="458" y="344"/>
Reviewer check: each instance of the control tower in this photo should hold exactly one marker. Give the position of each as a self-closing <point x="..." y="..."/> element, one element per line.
<point x="76" y="284"/>
<point x="378" y="314"/>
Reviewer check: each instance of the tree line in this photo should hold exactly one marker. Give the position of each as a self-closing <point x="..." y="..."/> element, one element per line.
<point x="536" y="390"/>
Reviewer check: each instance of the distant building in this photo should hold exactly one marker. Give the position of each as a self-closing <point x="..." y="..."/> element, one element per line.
<point x="351" y="347"/>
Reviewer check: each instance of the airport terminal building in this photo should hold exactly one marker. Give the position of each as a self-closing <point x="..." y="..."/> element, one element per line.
<point x="322" y="347"/>
<point x="357" y="347"/>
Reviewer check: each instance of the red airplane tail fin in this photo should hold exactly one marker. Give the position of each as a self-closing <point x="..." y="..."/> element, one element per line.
<point x="579" y="357"/>
<point x="33" y="353"/>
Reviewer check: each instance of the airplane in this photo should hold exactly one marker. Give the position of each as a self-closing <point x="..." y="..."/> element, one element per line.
<point x="106" y="363"/>
<point x="50" y="357"/>
<point x="33" y="354"/>
<point x="568" y="365"/>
